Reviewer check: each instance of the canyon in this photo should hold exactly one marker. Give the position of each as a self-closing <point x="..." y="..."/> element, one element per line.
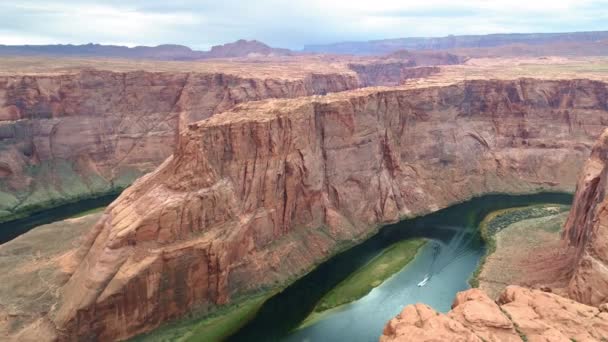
<point x="586" y="229"/>
<point x="87" y="128"/>
<point x="254" y="197"/>
<point x="535" y="314"/>
<point x="247" y="174"/>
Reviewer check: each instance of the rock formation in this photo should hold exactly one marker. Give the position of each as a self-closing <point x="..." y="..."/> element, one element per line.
<point x="587" y="229"/>
<point x="390" y="73"/>
<point x="75" y="133"/>
<point x="520" y="314"/>
<point x="403" y="65"/>
<point x="427" y="58"/>
<point x="256" y="196"/>
<point x="246" y="48"/>
<point x="79" y="134"/>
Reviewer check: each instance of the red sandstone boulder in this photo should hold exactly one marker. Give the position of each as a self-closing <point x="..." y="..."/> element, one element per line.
<point x="520" y="314"/>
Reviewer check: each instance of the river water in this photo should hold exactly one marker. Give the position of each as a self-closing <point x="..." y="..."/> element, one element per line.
<point x="449" y="258"/>
<point x="11" y="229"/>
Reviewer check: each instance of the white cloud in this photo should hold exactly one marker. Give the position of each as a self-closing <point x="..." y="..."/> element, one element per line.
<point x="284" y="23"/>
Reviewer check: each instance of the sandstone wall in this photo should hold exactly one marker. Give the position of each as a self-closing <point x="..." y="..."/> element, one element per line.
<point x="255" y="197"/>
<point x="587" y="229"/>
<point x="391" y="73"/>
<point x="67" y="136"/>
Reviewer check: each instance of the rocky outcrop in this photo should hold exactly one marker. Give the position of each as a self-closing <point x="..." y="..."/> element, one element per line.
<point x="240" y="48"/>
<point x="68" y="136"/>
<point x="587" y="229"/>
<point x="390" y="73"/>
<point x="427" y="58"/>
<point x="256" y="196"/>
<point x="246" y="48"/>
<point x="520" y="314"/>
<point x="401" y="66"/>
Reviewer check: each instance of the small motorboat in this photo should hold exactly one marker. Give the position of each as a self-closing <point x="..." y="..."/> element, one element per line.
<point x="424" y="281"/>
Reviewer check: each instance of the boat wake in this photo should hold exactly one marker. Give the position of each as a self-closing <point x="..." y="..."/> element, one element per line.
<point x="424" y="281"/>
<point x="446" y="253"/>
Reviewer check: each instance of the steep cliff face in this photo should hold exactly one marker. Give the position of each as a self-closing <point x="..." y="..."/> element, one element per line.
<point x="256" y="196"/>
<point x="587" y="228"/>
<point x="73" y="135"/>
<point x="533" y="315"/>
<point x="519" y="315"/>
<point x="384" y="46"/>
<point x="391" y="73"/>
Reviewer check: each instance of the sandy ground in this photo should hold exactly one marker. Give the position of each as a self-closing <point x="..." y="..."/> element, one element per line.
<point x="40" y="258"/>
<point x="529" y="253"/>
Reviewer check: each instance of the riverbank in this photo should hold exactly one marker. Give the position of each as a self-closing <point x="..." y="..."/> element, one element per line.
<point x="215" y="327"/>
<point x="287" y="309"/>
<point x="380" y="268"/>
<point x="523" y="247"/>
<point x="57" y="204"/>
<point x="13" y="228"/>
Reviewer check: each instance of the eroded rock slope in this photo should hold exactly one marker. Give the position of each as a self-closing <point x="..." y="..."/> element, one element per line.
<point x="79" y="134"/>
<point x="522" y="314"/>
<point x="256" y="196"/>
<point x="587" y="229"/>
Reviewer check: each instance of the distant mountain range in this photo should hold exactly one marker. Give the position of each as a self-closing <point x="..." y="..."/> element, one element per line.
<point x="514" y="44"/>
<point x="240" y="48"/>
<point x="385" y="46"/>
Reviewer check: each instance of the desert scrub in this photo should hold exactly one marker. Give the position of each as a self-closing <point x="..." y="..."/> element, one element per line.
<point x="372" y="274"/>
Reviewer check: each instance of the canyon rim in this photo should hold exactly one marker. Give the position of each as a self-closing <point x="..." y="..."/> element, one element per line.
<point x="170" y="193"/>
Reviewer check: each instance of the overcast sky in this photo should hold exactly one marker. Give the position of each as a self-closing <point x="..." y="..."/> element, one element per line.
<point x="289" y="23"/>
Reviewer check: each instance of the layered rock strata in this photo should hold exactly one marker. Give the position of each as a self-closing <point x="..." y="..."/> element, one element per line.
<point x="587" y="229"/>
<point x="520" y="314"/>
<point x="255" y="197"/>
<point x="391" y="73"/>
<point x="72" y="135"/>
<point x="80" y="134"/>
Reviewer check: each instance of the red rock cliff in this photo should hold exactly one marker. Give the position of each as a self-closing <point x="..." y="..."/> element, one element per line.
<point x="587" y="228"/>
<point x="72" y="135"/>
<point x="256" y="196"/>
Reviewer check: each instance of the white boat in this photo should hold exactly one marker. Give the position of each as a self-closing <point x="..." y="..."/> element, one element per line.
<point x="424" y="281"/>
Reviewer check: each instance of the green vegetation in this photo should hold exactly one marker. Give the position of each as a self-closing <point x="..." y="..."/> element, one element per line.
<point x="217" y="327"/>
<point x="58" y="182"/>
<point x="27" y="210"/>
<point x="380" y="268"/>
<point x="501" y="219"/>
<point x="521" y="334"/>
